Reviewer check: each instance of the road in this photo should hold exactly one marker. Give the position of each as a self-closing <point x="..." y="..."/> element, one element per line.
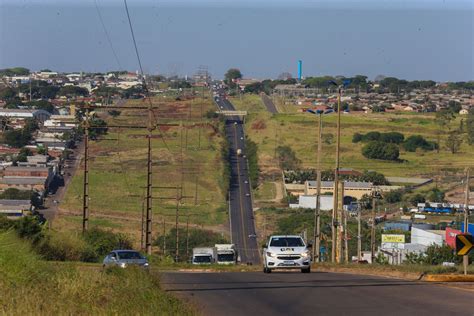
<point x="293" y="293"/>
<point x="240" y="194"/>
<point x="268" y="103"/>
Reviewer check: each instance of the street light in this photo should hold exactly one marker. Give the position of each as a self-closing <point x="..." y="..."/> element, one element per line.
<point x="317" y="216"/>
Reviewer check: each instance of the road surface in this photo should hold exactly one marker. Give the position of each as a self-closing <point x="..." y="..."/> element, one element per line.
<point x="294" y="293"/>
<point x="268" y="103"/>
<point x="240" y="195"/>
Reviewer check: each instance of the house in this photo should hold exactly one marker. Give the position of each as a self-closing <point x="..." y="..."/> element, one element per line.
<point x="351" y="188"/>
<point x="309" y="201"/>
<point x="39" y="115"/>
<point x="15" y="208"/>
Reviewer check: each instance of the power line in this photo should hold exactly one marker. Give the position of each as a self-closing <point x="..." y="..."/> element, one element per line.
<point x="107" y="34"/>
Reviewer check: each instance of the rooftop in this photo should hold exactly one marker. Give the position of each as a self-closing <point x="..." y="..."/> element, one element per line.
<point x="347" y="184"/>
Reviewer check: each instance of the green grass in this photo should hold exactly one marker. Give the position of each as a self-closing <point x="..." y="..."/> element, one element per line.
<point x="31" y="286"/>
<point x="251" y="103"/>
<point x="403" y="268"/>
<point x="118" y="167"/>
<point x="300" y="132"/>
<point x="265" y="191"/>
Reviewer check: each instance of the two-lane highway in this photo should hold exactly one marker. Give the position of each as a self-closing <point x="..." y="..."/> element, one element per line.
<point x="318" y="293"/>
<point x="240" y="195"/>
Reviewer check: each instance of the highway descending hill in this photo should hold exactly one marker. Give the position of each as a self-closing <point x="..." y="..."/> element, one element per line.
<point x="241" y="211"/>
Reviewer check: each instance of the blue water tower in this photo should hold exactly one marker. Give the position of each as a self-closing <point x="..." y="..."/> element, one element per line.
<point x="300" y="69"/>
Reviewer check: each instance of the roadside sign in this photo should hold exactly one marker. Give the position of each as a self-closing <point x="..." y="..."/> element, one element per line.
<point x="393" y="238"/>
<point x="464" y="244"/>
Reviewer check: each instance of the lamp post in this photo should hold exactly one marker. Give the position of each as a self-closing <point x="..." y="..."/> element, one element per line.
<point x="317" y="215"/>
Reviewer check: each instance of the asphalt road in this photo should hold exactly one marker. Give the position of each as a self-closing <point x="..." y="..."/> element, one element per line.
<point x="240" y="195"/>
<point x="293" y="293"/>
<point x="268" y="103"/>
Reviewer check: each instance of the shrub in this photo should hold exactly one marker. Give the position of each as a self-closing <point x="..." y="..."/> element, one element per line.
<point x="380" y="150"/>
<point x="372" y="136"/>
<point x="60" y="246"/>
<point x="102" y="241"/>
<point x="393" y="196"/>
<point x="417" y="141"/>
<point x="357" y="137"/>
<point x="392" y="137"/>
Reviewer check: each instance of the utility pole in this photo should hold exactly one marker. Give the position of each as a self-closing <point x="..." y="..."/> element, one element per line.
<point x="142" y="239"/>
<point x="346" y="244"/>
<point x="187" y="238"/>
<point x="148" y="236"/>
<point x="340" y="227"/>
<point x="336" y="180"/>
<point x="465" y="258"/>
<point x="372" y="231"/>
<point x="178" y="200"/>
<point x="359" y="237"/>
<point x="85" y="198"/>
<point x="317" y="213"/>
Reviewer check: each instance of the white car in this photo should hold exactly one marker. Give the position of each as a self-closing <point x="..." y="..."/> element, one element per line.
<point x="286" y="252"/>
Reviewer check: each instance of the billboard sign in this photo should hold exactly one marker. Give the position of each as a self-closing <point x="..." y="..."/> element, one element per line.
<point x="393" y="238"/>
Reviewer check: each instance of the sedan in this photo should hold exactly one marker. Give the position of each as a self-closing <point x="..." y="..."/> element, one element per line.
<point x="125" y="258"/>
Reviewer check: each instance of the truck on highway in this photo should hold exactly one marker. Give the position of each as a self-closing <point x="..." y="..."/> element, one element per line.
<point x="204" y="255"/>
<point x="226" y="254"/>
<point x="287" y="252"/>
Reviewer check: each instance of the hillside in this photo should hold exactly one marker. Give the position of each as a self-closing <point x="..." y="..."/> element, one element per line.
<point x="31" y="286"/>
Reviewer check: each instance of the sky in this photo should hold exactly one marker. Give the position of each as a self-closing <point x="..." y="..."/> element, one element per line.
<point x="416" y="39"/>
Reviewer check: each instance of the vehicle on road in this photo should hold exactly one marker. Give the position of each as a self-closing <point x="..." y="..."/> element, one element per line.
<point x="226" y="254"/>
<point x="239" y="152"/>
<point x="125" y="258"/>
<point x="286" y="252"/>
<point x="204" y="255"/>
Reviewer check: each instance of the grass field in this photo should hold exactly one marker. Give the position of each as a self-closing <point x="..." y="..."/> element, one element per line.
<point x="299" y="131"/>
<point x="118" y="168"/>
<point x="31" y="286"/>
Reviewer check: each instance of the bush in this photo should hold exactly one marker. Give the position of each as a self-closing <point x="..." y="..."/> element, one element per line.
<point x="392" y="137"/>
<point x="393" y="196"/>
<point x="29" y="227"/>
<point x="438" y="254"/>
<point x="417" y="198"/>
<point x="60" y="246"/>
<point x="380" y="150"/>
<point x="372" y="136"/>
<point x="357" y="137"/>
<point x="414" y="142"/>
<point x="102" y="241"/>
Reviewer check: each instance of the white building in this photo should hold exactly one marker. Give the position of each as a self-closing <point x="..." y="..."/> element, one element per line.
<point x="40" y="115"/>
<point x="427" y="237"/>
<point x="309" y="201"/>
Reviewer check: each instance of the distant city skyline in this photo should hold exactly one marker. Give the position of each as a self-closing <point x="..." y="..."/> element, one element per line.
<point x="413" y="40"/>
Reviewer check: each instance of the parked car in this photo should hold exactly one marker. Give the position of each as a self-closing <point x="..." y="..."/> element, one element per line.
<point x="125" y="258"/>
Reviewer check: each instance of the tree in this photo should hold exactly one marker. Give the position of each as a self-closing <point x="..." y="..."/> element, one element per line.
<point x="70" y="91"/>
<point x="417" y="198"/>
<point x="435" y="195"/>
<point x="23" y="154"/>
<point x="453" y="142"/>
<point x="42" y="105"/>
<point x="7" y="94"/>
<point x="287" y="158"/>
<point x="392" y="137"/>
<point x="454" y="106"/>
<point x="41" y="150"/>
<point x="231" y="75"/>
<point x="380" y="150"/>
<point x="16" y="71"/>
<point x="393" y="196"/>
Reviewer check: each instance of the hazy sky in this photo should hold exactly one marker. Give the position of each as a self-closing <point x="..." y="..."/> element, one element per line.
<point x="412" y="39"/>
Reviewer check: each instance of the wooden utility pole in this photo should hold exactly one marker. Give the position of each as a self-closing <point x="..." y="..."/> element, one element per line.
<point x="465" y="258"/>
<point x="334" y="230"/>
<point x="372" y="231"/>
<point x="346" y="243"/>
<point x="317" y="213"/>
<point x="85" y="197"/>
<point x="178" y="200"/>
<point x="142" y="239"/>
<point x="149" y="180"/>
<point x="340" y="220"/>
